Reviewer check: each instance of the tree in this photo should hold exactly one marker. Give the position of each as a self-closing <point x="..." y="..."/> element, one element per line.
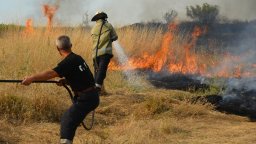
<point x="170" y="16"/>
<point x="205" y="14"/>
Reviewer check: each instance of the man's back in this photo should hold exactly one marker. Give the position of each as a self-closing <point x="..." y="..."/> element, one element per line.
<point x="76" y="72"/>
<point x="107" y="35"/>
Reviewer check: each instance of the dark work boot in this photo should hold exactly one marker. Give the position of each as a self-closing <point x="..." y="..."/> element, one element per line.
<point x="101" y="90"/>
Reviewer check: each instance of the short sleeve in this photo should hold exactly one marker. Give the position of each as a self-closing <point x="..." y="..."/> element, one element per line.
<point x="62" y="69"/>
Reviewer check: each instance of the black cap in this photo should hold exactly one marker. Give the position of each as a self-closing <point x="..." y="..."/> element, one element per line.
<point x="99" y="15"/>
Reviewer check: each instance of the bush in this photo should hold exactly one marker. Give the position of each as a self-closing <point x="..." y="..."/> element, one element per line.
<point x="205" y="14"/>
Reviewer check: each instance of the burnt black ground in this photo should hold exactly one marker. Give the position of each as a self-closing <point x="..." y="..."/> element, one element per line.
<point x="176" y="82"/>
<point x="231" y="106"/>
<point x="239" y="101"/>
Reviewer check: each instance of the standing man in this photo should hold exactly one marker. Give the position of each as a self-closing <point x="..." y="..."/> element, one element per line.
<point x="78" y="75"/>
<point x="103" y="34"/>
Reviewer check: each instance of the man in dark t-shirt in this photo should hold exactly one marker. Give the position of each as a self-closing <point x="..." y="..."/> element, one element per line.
<point x="78" y="75"/>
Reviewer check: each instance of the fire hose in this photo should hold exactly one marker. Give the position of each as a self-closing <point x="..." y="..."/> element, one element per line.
<point x="69" y="92"/>
<point x="96" y="67"/>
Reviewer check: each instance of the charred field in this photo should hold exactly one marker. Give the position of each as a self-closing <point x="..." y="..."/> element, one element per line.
<point x="233" y="95"/>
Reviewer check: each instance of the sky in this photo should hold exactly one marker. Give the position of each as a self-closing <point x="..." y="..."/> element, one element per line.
<point x="121" y="12"/>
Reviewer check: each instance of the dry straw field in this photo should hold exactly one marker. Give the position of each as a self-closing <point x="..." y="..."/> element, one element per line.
<point x="128" y="115"/>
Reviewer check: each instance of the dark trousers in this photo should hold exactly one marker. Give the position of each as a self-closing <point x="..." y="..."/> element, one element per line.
<point x="101" y="71"/>
<point x="72" y="118"/>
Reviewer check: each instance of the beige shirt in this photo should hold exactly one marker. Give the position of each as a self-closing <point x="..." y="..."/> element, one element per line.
<point x="108" y="35"/>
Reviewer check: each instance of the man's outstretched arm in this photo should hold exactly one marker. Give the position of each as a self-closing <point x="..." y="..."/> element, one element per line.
<point x="46" y="75"/>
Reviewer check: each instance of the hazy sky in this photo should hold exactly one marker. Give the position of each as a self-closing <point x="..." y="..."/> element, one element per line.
<point x="121" y="12"/>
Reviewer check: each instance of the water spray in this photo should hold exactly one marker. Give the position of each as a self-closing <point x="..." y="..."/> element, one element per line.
<point x="132" y="75"/>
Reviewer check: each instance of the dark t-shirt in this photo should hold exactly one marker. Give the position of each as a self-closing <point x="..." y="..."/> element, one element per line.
<point x="76" y="72"/>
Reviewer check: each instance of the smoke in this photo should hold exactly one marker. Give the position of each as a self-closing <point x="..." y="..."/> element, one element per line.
<point x="132" y="76"/>
<point x="133" y="11"/>
<point x="240" y="95"/>
<point x="123" y="12"/>
<point x="237" y="9"/>
<point x="69" y="12"/>
<point x="245" y="49"/>
<point x="241" y="92"/>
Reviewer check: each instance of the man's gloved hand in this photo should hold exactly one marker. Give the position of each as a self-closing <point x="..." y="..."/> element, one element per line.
<point x="62" y="82"/>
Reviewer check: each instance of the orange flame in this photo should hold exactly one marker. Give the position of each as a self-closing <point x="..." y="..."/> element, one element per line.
<point x="29" y="26"/>
<point x="155" y="62"/>
<point x="49" y="12"/>
<point x="188" y="62"/>
<point x="237" y="69"/>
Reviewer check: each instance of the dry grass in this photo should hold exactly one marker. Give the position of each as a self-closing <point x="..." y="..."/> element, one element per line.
<point x="134" y="118"/>
<point x="129" y="115"/>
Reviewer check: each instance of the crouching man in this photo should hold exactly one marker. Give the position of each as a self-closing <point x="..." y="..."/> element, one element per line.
<point x="78" y="75"/>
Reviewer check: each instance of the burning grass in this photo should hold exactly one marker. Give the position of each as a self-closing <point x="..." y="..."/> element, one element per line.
<point x="179" y="52"/>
